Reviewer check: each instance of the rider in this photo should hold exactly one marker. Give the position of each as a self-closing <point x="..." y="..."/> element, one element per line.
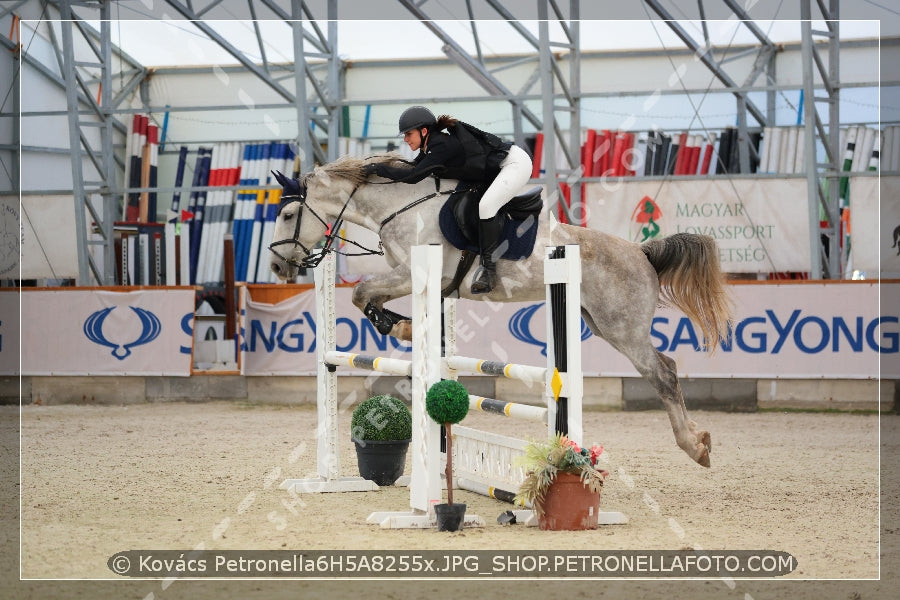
<point x="506" y="168"/>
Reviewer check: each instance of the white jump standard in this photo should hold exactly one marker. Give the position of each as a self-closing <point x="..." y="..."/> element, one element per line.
<point x="328" y="462"/>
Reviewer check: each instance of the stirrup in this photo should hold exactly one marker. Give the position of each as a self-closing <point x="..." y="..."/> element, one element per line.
<point x="484" y="280"/>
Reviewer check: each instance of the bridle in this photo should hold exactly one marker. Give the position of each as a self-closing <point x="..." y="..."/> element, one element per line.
<point x="315" y="255"/>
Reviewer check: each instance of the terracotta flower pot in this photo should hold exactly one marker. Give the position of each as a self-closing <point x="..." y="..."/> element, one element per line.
<point x="569" y="505"/>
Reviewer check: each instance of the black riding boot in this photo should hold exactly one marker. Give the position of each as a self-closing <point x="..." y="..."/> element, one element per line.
<point x="489" y="239"/>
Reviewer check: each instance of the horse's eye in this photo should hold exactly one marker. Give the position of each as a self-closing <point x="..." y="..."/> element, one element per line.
<point x="288" y="216"/>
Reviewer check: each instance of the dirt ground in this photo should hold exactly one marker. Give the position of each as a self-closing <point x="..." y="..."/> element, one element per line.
<point x="97" y="480"/>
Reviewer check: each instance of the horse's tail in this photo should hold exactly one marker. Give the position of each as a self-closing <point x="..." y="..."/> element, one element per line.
<point x="690" y="279"/>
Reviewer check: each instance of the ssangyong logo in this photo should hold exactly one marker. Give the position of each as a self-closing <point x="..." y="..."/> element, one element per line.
<point x="150" y="328"/>
<point x="520" y="327"/>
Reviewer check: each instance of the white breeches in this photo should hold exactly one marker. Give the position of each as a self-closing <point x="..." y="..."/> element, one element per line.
<point x="515" y="171"/>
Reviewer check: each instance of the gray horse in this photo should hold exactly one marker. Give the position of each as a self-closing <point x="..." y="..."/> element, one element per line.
<point x="623" y="282"/>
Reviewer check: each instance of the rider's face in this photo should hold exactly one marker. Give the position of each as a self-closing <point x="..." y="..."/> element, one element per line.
<point x="413" y="137"/>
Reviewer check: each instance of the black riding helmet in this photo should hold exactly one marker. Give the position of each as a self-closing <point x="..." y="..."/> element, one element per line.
<point x="416" y="117"/>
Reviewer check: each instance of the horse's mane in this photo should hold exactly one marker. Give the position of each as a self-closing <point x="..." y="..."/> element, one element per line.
<point x="350" y="168"/>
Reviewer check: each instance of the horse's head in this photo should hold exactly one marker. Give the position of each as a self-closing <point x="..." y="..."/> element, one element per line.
<point x="309" y="208"/>
<point x="307" y="212"/>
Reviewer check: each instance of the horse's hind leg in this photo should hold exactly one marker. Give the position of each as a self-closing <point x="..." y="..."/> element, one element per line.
<point x="622" y="330"/>
<point x="662" y="374"/>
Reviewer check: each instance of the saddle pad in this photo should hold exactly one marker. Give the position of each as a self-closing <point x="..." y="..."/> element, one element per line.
<point x="519" y="235"/>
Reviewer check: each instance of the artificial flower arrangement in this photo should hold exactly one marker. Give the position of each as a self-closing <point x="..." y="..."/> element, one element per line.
<point x="543" y="460"/>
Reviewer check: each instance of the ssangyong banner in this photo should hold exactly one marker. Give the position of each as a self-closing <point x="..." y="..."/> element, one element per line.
<point x="760" y="225"/>
<point x="790" y="330"/>
<point x="99" y="332"/>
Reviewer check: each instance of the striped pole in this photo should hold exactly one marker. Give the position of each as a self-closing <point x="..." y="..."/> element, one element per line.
<point x="144" y="149"/>
<point x="152" y="168"/>
<point x="132" y="206"/>
<point x="513" y="410"/>
<point x="241" y="214"/>
<point x="204" y="158"/>
<point x="204" y="216"/>
<point x="381" y="364"/>
<point x="231" y="173"/>
<point x="260" y="214"/>
<point x="488" y="367"/>
<point x="273" y="197"/>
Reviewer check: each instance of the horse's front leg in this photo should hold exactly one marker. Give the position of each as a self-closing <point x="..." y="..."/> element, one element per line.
<point x="370" y="295"/>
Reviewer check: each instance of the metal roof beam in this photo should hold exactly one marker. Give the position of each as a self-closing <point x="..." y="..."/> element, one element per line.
<point x="703" y="55"/>
<point x="748" y="22"/>
<point x="286" y="17"/>
<point x="88" y="31"/>
<point x="209" y="7"/>
<point x="5" y="11"/>
<point x="259" y="40"/>
<point x="263" y="75"/>
<point x="474" y="68"/>
<point x="509" y="18"/>
<point x="529" y="37"/>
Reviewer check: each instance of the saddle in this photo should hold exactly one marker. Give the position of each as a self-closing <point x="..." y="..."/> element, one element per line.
<point x="459" y="221"/>
<point x="459" y="218"/>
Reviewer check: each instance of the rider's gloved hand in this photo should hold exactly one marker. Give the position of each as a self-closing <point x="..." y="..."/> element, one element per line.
<point x="290" y="186"/>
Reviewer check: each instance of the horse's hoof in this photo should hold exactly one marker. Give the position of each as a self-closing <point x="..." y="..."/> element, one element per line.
<point x="705" y="440"/>
<point x="403" y="331"/>
<point x="703" y="458"/>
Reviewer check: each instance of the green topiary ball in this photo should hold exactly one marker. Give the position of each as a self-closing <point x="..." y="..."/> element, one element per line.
<point x="447" y="401"/>
<point x="381" y="418"/>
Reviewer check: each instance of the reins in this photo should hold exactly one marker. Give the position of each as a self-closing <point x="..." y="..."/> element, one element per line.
<point x="412" y="204"/>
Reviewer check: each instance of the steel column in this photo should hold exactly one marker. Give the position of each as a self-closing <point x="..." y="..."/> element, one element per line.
<point x="108" y="175"/>
<point x="305" y="134"/>
<point x="822" y="266"/>
<point x="84" y="263"/>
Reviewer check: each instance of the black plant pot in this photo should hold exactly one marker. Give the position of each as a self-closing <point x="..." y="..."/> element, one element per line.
<point x="381" y="461"/>
<point x="450" y="516"/>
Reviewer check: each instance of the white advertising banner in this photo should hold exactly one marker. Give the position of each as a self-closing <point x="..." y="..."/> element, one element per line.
<point x="280" y="339"/>
<point x="277" y="338"/>
<point x="790" y="330"/>
<point x="760" y="225"/>
<point x="874" y="225"/>
<point x="100" y="332"/>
